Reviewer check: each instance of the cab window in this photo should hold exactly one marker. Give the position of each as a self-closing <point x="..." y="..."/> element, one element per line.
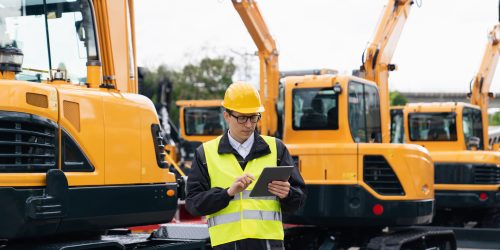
<point x="397" y="126"/>
<point x="473" y="125"/>
<point x="204" y="121"/>
<point x="315" y="109"/>
<point x="364" y="113"/>
<point x="432" y="126"/>
<point x="57" y="35"/>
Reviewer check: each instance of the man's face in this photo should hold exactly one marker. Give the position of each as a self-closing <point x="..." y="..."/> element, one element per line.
<point x="240" y="131"/>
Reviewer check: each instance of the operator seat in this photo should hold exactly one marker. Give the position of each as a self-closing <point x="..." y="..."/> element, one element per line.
<point x="437" y="131"/>
<point x="314" y="117"/>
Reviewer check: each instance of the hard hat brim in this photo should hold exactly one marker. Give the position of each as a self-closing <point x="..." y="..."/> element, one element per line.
<point x="246" y="110"/>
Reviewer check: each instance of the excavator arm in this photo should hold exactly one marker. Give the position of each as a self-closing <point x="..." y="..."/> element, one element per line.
<point x="268" y="57"/>
<point x="482" y="81"/>
<point x="376" y="64"/>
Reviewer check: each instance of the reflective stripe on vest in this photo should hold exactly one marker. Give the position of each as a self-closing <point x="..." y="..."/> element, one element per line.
<point x="247" y="215"/>
<point x="244" y="217"/>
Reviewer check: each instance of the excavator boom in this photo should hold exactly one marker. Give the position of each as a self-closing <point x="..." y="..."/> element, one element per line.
<point x="480" y="92"/>
<point x="268" y="57"/>
<point x="376" y="65"/>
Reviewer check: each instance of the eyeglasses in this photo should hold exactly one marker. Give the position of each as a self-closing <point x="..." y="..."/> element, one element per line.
<point x="244" y="119"/>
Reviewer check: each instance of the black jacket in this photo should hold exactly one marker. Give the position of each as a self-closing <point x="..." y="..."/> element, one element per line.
<point x="202" y="199"/>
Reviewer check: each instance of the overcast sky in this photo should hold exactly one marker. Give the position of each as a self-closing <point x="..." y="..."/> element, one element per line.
<point x="440" y="48"/>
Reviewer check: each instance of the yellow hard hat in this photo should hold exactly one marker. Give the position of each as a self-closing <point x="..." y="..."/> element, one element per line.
<point x="243" y="98"/>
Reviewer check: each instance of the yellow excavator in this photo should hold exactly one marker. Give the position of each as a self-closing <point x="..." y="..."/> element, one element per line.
<point x="80" y="150"/>
<point x="467" y="179"/>
<point x="333" y="126"/>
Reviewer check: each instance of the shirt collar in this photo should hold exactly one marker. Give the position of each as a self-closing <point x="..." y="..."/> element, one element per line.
<point x="259" y="147"/>
<point x="246" y="144"/>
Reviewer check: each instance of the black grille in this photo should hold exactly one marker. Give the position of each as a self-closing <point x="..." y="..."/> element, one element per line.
<point x="466" y="173"/>
<point x="28" y="143"/>
<point x="159" y="146"/>
<point x="486" y="174"/>
<point x="378" y="174"/>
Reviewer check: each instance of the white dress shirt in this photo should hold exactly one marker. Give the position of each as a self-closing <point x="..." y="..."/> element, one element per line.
<point x="242" y="148"/>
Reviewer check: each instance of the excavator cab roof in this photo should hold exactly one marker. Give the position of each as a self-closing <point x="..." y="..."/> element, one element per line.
<point x="438" y="106"/>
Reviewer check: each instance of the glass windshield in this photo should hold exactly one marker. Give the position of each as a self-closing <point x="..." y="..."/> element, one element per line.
<point x="59" y="35"/>
<point x="432" y="126"/>
<point x="364" y="113"/>
<point x="473" y="125"/>
<point x="397" y="126"/>
<point x="315" y="109"/>
<point x="204" y="121"/>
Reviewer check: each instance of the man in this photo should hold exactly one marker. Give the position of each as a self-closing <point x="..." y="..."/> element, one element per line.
<point x="224" y="170"/>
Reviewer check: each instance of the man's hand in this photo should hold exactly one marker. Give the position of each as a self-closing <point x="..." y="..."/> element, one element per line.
<point x="279" y="188"/>
<point x="240" y="183"/>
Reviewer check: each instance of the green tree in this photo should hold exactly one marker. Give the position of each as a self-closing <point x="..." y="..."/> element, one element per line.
<point x="494" y="119"/>
<point x="204" y="80"/>
<point x="397" y="99"/>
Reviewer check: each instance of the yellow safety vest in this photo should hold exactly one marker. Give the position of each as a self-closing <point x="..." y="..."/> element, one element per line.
<point x="245" y="217"/>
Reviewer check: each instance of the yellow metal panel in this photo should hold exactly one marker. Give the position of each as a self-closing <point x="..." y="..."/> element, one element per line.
<point x="333" y="163"/>
<point x="466" y="156"/>
<point x="464" y="187"/>
<point x="22" y="180"/>
<point x="13" y="98"/>
<point x="411" y="164"/>
<point x="90" y="138"/>
<point x="122" y="119"/>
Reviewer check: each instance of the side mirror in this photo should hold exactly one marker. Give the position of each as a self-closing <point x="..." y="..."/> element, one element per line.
<point x="473" y="142"/>
<point x="80" y="30"/>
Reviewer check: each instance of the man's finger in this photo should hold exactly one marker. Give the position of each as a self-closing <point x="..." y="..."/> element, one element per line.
<point x="277" y="193"/>
<point x="274" y="192"/>
<point x="251" y="177"/>
<point x="277" y="189"/>
<point x="242" y="180"/>
<point x="247" y="180"/>
<point x="281" y="183"/>
<point x="279" y="186"/>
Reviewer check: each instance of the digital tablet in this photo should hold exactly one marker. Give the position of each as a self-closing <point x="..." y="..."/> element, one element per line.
<point x="269" y="174"/>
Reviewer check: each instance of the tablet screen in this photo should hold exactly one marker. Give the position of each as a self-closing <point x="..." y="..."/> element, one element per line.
<point x="269" y="174"/>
